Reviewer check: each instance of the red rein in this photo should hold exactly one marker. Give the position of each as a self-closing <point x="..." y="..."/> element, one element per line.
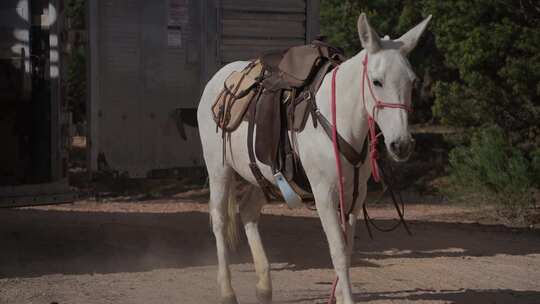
<point x="339" y="172"/>
<point x="373" y="137"/>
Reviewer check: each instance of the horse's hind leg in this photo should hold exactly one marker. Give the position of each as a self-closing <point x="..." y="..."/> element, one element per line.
<point x="250" y="210"/>
<point x="221" y="181"/>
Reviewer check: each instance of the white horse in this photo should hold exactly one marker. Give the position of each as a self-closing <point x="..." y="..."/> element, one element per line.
<point x="392" y="80"/>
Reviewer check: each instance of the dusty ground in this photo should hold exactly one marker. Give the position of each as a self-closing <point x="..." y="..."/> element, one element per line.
<point x="161" y="251"/>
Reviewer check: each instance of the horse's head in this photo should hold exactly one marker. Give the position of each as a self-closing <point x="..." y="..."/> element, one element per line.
<point x="388" y="82"/>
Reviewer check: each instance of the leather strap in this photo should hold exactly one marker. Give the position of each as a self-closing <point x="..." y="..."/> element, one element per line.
<point x="255" y="170"/>
<point x="319" y="77"/>
<point x="227" y="103"/>
<point x="356" y="180"/>
<point x="348" y="151"/>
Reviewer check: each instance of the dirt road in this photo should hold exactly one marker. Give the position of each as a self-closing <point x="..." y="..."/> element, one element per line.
<point x="163" y="252"/>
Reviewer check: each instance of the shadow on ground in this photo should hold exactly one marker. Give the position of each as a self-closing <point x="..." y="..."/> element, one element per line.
<point x="458" y="296"/>
<point x="38" y="242"/>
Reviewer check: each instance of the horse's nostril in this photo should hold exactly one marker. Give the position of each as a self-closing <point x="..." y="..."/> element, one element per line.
<point x="401" y="148"/>
<point x="395" y="146"/>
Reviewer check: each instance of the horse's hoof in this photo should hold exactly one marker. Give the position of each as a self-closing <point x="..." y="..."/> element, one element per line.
<point x="264" y="295"/>
<point x="229" y="300"/>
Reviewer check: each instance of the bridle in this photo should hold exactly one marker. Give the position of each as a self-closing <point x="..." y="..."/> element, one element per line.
<point x="373" y="153"/>
<point x="379" y="104"/>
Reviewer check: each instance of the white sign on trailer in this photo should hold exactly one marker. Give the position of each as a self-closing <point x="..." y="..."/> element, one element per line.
<point x="174" y="37"/>
<point x="178" y="22"/>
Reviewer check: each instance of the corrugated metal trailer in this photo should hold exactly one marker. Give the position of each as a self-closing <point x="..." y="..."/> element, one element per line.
<point x="149" y="61"/>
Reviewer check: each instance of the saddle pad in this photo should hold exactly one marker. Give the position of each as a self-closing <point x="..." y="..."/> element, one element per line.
<point x="233" y="101"/>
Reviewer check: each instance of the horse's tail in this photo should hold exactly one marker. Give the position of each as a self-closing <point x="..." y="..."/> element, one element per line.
<point x="232" y="233"/>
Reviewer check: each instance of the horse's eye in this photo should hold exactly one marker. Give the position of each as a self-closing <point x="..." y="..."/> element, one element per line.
<point x="377" y="83"/>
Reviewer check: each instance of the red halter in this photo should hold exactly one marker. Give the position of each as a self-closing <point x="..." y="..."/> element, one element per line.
<point x="379" y="104"/>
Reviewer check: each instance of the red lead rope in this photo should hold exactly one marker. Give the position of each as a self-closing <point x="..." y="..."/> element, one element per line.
<point x="339" y="173"/>
<point x="373" y="138"/>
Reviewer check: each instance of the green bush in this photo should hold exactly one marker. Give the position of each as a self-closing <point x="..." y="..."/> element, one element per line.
<point x="491" y="169"/>
<point x="75" y="11"/>
<point x="491" y="51"/>
<point x="482" y="56"/>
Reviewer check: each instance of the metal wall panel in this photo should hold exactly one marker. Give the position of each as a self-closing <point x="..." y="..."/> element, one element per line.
<point x="250" y="28"/>
<point x="119" y="111"/>
<point x="148" y="67"/>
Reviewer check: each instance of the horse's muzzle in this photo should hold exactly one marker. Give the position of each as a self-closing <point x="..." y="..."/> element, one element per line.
<point x="401" y="149"/>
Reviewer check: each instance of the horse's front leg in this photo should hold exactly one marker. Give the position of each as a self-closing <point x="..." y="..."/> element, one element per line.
<point x="325" y="200"/>
<point x="351" y="232"/>
<point x="351" y="226"/>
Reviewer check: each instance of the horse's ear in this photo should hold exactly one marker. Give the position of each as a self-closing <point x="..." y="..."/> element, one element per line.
<point x="410" y="39"/>
<point x="368" y="37"/>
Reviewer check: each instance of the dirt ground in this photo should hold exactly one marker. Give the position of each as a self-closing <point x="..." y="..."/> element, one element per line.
<point x="162" y="251"/>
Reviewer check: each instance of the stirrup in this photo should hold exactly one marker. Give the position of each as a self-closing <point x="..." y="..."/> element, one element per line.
<point x="292" y="198"/>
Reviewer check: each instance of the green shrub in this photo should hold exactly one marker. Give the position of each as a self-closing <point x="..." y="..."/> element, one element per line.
<point x="490" y="169"/>
<point x="75" y="11"/>
<point x="535" y="163"/>
<point x="491" y="53"/>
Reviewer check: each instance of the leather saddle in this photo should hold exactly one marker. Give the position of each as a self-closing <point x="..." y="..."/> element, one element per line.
<point x="276" y="93"/>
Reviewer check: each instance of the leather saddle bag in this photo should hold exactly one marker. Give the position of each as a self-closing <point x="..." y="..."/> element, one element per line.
<point x="233" y="101"/>
<point x="298" y="64"/>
